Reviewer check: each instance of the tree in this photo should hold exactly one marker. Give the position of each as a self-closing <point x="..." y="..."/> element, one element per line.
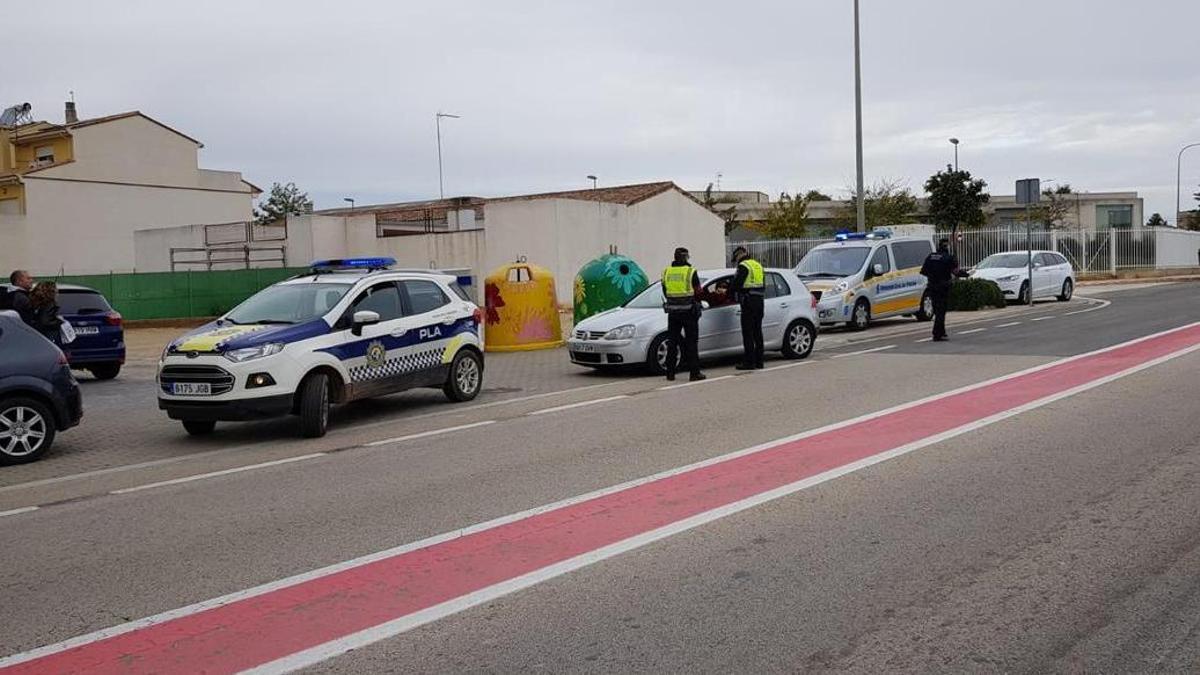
<point x="281" y="202"/>
<point x="885" y="203"/>
<point x="1156" y="220"/>
<point x="727" y="214"/>
<point x="1052" y="211"/>
<point x="956" y="200"/>
<point x="786" y="219"/>
<point x="817" y="196"/>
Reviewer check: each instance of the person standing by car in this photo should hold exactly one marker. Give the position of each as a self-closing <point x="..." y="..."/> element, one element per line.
<point x="18" y="297"/>
<point x="940" y="268"/>
<point x="44" y="312"/>
<point x="681" y="292"/>
<point x="749" y="288"/>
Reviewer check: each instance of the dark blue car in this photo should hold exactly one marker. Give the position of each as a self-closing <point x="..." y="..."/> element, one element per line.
<point x="99" y="344"/>
<point x="39" y="396"/>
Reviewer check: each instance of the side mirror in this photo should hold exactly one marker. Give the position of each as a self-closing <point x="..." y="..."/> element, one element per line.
<point x="704" y="304"/>
<point x="877" y="268"/>
<point x="363" y="318"/>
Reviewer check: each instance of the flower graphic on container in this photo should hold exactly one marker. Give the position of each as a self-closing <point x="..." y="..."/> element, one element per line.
<point x="492" y="302"/>
<point x="624" y="276"/>
<point x="533" y="327"/>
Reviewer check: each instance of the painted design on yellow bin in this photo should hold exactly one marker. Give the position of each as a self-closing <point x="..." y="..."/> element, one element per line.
<point x="207" y="342"/>
<point x="522" y="309"/>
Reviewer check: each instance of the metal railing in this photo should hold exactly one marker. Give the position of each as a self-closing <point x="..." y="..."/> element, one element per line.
<point x="1089" y="251"/>
<point x="228" y="257"/>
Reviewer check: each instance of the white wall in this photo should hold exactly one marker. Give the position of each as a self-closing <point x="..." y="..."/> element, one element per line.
<point x="563" y="234"/>
<point x="12" y="245"/>
<point x="87" y="228"/>
<point x="133" y="150"/>
<point x="1176" y="248"/>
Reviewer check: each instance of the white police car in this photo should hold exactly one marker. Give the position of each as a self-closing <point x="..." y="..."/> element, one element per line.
<point x="347" y="330"/>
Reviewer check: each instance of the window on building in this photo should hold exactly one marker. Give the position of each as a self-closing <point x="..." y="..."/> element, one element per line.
<point x="44" y="155"/>
<point x="1114" y="216"/>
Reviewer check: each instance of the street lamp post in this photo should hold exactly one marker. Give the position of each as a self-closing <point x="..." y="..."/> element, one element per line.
<point x="1178" y="181"/>
<point x="351" y="200"/>
<point x="858" y="144"/>
<point x="438" y="121"/>
<point x="954" y="142"/>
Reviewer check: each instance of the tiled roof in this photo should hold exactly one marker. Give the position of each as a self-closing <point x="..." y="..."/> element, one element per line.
<point x="133" y="113"/>
<point x="627" y="195"/>
<point x="618" y="194"/>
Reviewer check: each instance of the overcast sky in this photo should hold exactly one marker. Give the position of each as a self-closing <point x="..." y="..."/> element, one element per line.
<point x="340" y="97"/>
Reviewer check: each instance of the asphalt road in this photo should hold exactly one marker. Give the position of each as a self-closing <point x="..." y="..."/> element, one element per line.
<point x="1063" y="538"/>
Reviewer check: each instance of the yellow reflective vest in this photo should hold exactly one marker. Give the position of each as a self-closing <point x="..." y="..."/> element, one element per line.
<point x="677" y="282"/>
<point x="755" y="279"/>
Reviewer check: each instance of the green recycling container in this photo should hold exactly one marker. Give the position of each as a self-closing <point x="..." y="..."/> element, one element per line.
<point x="607" y="282"/>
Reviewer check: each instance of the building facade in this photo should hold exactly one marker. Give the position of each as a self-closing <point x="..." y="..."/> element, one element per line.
<point x="73" y="194"/>
<point x="1087" y="211"/>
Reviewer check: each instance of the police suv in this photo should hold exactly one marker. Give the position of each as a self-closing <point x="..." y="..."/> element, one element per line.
<point x="348" y="329"/>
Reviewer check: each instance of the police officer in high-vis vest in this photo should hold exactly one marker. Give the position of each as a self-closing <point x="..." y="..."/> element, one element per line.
<point x="749" y="287"/>
<point x="681" y="301"/>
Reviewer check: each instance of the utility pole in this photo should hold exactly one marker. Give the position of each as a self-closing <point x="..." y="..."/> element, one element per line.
<point x="1178" y="173"/>
<point x="858" y="143"/>
<point x="438" y="121"/>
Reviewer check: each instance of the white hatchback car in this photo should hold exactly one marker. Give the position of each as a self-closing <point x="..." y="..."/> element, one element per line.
<point x="1053" y="275"/>
<point x="636" y="334"/>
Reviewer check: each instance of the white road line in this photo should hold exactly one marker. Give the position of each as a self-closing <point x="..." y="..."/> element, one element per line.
<point x="1102" y="304"/>
<point x="968" y="332"/>
<point x="1042" y="318"/>
<point x="1009" y="324"/>
<point x="928" y="339"/>
<point x="789" y="365"/>
<point x="863" y="351"/>
<point x="581" y="404"/>
<point x="268" y="587"/>
<point x="456" y="410"/>
<point x="214" y="474"/>
<point x="690" y="384"/>
<point x="427" y="434"/>
<point x="13" y="512"/>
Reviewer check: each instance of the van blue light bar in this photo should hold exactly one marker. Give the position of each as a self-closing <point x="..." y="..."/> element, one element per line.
<point x="352" y="264"/>
<point x="846" y="236"/>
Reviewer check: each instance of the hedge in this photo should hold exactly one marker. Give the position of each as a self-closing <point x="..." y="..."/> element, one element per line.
<point x="968" y="295"/>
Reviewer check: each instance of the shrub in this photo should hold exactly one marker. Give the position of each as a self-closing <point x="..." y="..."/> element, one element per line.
<point x="968" y="295"/>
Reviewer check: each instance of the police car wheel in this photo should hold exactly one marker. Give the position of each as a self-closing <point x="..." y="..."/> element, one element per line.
<point x="465" y="378"/>
<point x="26" y="430"/>
<point x="199" y="427"/>
<point x="314" y="405"/>
<point x="861" y="318"/>
<point x="925" y="313"/>
<point x="799" y="339"/>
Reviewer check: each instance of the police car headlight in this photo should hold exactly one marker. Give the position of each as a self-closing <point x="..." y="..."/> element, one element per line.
<point x="251" y="353"/>
<point x="621" y="333"/>
<point x="842" y="286"/>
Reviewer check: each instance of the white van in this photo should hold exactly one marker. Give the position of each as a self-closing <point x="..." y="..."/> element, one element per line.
<point x="861" y="277"/>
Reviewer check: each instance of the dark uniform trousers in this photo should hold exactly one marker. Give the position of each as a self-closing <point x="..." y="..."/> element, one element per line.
<point x="683" y="329"/>
<point x="939" y="293"/>
<point x="752" y="334"/>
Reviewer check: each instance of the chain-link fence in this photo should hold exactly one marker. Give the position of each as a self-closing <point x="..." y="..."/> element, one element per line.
<point x="1088" y="251"/>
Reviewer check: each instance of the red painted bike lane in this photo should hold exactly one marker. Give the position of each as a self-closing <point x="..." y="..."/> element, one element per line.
<point x="284" y="621"/>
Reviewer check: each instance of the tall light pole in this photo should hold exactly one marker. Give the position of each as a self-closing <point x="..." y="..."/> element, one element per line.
<point x="438" y="121"/>
<point x="954" y="142"/>
<point x="351" y="200"/>
<point x="858" y="146"/>
<point x="1178" y="172"/>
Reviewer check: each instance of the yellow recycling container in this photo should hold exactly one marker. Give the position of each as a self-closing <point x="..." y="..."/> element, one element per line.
<point x="521" y="309"/>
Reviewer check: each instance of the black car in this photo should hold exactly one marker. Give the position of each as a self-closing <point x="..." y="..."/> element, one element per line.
<point x="38" y="394"/>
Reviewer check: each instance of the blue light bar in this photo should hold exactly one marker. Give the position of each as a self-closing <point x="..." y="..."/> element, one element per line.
<point x="367" y="264"/>
<point x="845" y="236"/>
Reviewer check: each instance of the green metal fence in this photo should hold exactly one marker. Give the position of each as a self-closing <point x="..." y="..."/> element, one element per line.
<point x="179" y="295"/>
